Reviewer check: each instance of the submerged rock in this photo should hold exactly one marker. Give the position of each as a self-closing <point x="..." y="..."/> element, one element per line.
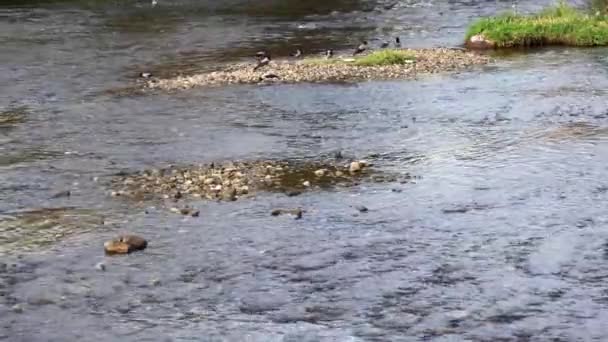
<point x="125" y="244"/>
<point x="295" y="212"/>
<point x="232" y="181"/>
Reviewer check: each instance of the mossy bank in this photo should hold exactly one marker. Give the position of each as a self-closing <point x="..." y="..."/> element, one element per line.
<point x="379" y="65"/>
<point x="557" y="25"/>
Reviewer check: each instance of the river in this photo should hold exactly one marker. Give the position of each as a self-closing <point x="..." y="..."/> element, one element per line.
<point x="500" y="236"/>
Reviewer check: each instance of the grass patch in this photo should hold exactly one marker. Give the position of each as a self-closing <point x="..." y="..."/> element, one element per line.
<point x="557" y="25"/>
<point x="376" y="58"/>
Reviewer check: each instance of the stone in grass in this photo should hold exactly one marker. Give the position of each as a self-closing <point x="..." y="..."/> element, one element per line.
<point x="125" y="244"/>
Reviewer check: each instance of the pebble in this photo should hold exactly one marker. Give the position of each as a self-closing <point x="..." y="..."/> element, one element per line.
<point x="65" y="193"/>
<point x="125" y="244"/>
<point x="355" y="167"/>
<point x="320" y="172"/>
<point x="18" y="308"/>
<point x="155" y="282"/>
<point x="361" y="208"/>
<point x="294" y="193"/>
<point x="306" y="184"/>
<point x="296" y="212"/>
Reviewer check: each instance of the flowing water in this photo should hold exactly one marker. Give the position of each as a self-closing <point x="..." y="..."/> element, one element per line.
<point x="501" y="237"/>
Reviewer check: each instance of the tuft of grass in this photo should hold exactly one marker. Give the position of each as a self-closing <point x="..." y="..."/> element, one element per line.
<point x="385" y="57"/>
<point x="376" y="58"/>
<point x="557" y="25"/>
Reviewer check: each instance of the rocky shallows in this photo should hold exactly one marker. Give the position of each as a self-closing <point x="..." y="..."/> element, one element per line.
<point x="379" y="65"/>
<point x="230" y="181"/>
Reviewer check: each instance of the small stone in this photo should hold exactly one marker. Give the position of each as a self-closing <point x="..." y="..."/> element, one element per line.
<point x="195" y="213"/>
<point x="306" y="184"/>
<point x="178" y="195"/>
<point x="185" y="211"/>
<point x="115" y="193"/>
<point x="100" y="266"/>
<point x="276" y="212"/>
<point x="320" y="172"/>
<point x="339" y="173"/>
<point x="355" y="167"/>
<point x="155" y="282"/>
<point x="244" y="190"/>
<point x="175" y="210"/>
<point x="65" y="193"/>
<point x="125" y="244"/>
<point x="361" y="208"/>
<point x="294" y="193"/>
<point x="17" y="308"/>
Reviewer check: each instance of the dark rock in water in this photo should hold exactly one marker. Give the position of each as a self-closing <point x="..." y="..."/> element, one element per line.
<point x="65" y="193"/>
<point x="195" y="213"/>
<point x="125" y="244"/>
<point x="361" y="208"/>
<point x="460" y="210"/>
<point x="294" y="193"/>
<point x="178" y="195"/>
<point x="296" y="212"/>
<point x="396" y="190"/>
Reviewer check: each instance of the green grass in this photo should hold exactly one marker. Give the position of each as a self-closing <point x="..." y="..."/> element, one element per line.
<point x="557" y="25"/>
<point x="376" y="58"/>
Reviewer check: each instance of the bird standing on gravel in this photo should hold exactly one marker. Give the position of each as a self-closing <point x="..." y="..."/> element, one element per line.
<point x="397" y="42"/>
<point x="261" y="54"/>
<point x="263" y="62"/>
<point x="362" y="47"/>
<point x="297" y="54"/>
<point x="329" y="54"/>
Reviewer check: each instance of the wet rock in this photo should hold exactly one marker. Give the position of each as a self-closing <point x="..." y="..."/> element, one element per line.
<point x="320" y="172"/>
<point x="295" y="212"/>
<point x="355" y="167"/>
<point x="294" y="193"/>
<point x="155" y="282"/>
<point x="17" y="308"/>
<point x="479" y="42"/>
<point x="100" y="266"/>
<point x="186" y="211"/>
<point x="361" y="208"/>
<point x="60" y="194"/>
<point x="306" y="184"/>
<point x="125" y="244"/>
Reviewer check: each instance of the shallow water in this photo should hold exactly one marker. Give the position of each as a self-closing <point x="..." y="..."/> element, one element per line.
<point x="499" y="238"/>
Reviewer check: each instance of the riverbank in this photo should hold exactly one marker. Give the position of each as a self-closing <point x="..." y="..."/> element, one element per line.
<point x="339" y="69"/>
<point x="557" y="25"/>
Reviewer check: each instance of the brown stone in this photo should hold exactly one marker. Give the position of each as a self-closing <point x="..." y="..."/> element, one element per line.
<point x="479" y="42"/>
<point x="125" y="244"/>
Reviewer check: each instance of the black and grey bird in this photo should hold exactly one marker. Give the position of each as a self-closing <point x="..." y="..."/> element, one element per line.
<point x="384" y="45"/>
<point x="397" y="42"/>
<point x="362" y="47"/>
<point x="263" y="62"/>
<point x="261" y="54"/>
<point x="297" y="54"/>
<point x="329" y="54"/>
